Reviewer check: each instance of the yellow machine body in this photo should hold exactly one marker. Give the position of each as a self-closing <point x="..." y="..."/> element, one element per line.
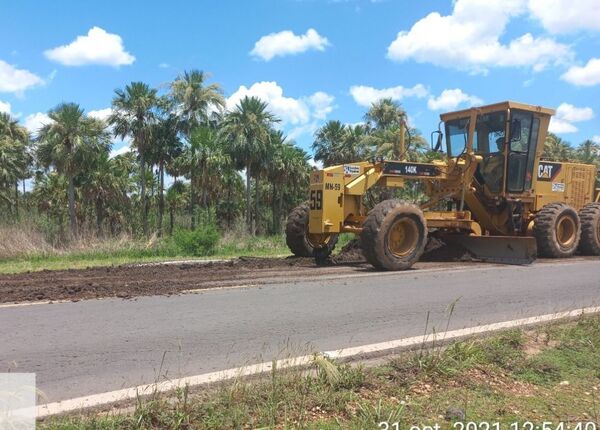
<point x="493" y="177"/>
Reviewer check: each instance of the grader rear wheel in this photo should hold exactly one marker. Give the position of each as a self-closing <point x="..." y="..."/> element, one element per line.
<point x="301" y="242"/>
<point x="394" y="235"/>
<point x="557" y="231"/>
<point x="590" y="229"/>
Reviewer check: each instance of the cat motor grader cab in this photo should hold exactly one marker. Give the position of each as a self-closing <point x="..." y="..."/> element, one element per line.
<point x="500" y="200"/>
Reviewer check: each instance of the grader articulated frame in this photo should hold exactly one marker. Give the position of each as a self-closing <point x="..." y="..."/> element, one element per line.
<point x="492" y="193"/>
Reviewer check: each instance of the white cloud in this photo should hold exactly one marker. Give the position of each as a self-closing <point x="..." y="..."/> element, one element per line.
<point x="469" y="39"/>
<point x="5" y="107"/>
<point x="566" y="115"/>
<point x="565" y="16"/>
<point x="451" y="99"/>
<point x="587" y="75"/>
<point x="35" y="121"/>
<point x="97" y="47"/>
<point x="596" y="138"/>
<point x="290" y="110"/>
<point x="122" y="150"/>
<point x="101" y="114"/>
<point x="572" y="113"/>
<point x="305" y="129"/>
<point x="322" y="104"/>
<point x="288" y="43"/>
<point x="164" y="65"/>
<point x="13" y="80"/>
<point x="366" y="96"/>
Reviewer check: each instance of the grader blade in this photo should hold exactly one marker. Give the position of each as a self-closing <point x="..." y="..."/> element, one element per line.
<point x="498" y="249"/>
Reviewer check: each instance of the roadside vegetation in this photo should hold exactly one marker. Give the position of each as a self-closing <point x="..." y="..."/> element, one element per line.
<point x="194" y="174"/>
<point x="548" y="373"/>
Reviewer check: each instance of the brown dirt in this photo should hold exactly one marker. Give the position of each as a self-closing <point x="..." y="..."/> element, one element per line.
<point x="174" y="278"/>
<point x="435" y="251"/>
<point x="154" y="279"/>
<point x="351" y="253"/>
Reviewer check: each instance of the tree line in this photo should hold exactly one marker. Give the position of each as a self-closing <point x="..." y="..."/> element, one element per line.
<point x="184" y="134"/>
<point x="226" y="168"/>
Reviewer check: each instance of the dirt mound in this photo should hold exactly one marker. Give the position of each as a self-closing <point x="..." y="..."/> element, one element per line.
<point x="438" y="250"/>
<point x="435" y="251"/>
<point x="350" y="253"/>
<point x="145" y="279"/>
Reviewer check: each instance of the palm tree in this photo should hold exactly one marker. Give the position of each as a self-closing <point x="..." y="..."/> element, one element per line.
<point x="134" y="111"/>
<point x="9" y="167"/>
<point x="195" y="101"/>
<point x="195" y="104"/>
<point x="328" y="141"/>
<point x="15" y="155"/>
<point x="336" y="143"/>
<point x="175" y="200"/>
<point x="166" y="147"/>
<point x="556" y="149"/>
<point x="105" y="186"/>
<point x="588" y="152"/>
<point x="68" y="143"/>
<point x="385" y="114"/>
<point x="288" y="165"/>
<point x="247" y="129"/>
<point x="49" y="193"/>
<point x="202" y="161"/>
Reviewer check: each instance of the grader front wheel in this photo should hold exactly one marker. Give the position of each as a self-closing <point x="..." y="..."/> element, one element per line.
<point x="394" y="235"/>
<point x="301" y="242"/>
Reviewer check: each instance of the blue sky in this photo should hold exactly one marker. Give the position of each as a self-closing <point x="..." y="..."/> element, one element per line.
<point x="312" y="60"/>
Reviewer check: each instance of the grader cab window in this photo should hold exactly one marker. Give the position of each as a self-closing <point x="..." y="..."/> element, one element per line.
<point x="489" y="142"/>
<point x="522" y="151"/>
<point x="457" y="132"/>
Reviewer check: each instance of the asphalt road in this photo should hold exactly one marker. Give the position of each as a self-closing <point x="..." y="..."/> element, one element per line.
<point x="96" y="346"/>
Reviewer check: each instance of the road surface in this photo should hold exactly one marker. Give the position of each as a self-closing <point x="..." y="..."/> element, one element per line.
<point x="96" y="346"/>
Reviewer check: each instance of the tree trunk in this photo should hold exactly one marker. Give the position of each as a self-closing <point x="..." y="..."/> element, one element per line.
<point x="248" y="199"/>
<point x="275" y="218"/>
<point x="71" y="197"/>
<point x="255" y="225"/>
<point x="229" y="208"/>
<point x="161" y="198"/>
<point x="171" y="219"/>
<point x="279" y="212"/>
<point x="17" y="199"/>
<point x="193" y="192"/>
<point x="143" y="195"/>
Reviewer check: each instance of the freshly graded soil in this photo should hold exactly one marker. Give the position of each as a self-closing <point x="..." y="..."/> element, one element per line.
<point x="149" y="279"/>
<point x="168" y="278"/>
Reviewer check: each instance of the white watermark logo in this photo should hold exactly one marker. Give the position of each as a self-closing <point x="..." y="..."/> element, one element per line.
<point x="17" y="401"/>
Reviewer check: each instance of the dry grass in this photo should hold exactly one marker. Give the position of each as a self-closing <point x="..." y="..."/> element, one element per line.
<point x="21" y="241"/>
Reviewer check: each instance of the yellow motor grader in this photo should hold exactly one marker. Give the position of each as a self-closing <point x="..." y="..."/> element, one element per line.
<point x="492" y="194"/>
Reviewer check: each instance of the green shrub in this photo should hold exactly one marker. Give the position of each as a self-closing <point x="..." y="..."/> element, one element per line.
<point x="199" y="242"/>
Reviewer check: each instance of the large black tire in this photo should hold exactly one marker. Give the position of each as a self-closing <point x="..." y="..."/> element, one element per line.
<point x="394" y="235"/>
<point x="590" y="229"/>
<point x="557" y="231"/>
<point x="296" y="235"/>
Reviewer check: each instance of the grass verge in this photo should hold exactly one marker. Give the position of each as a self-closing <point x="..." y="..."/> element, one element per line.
<point x="109" y="254"/>
<point x="550" y="373"/>
<point x="117" y="252"/>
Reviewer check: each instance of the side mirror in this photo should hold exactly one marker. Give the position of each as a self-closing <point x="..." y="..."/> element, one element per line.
<point x="439" y="141"/>
<point x="515" y="130"/>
